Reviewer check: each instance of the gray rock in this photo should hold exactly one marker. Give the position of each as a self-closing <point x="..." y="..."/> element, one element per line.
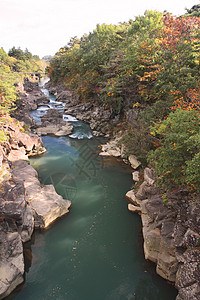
<point x="142" y="191"/>
<point x="11" y="258"/>
<point x="57" y="130"/>
<point x="152" y="239"/>
<point x="14" y="206"/>
<point x="53" y="123"/>
<point x="134" y="162"/>
<point x="136" y="176"/>
<point x="134" y="208"/>
<point x="111" y="148"/>
<point x="149" y="176"/>
<point x="188" y="276"/>
<point x="130" y="195"/>
<point x="46" y="204"/>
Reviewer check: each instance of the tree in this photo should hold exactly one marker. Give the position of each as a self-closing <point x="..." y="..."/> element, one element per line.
<point x="176" y="159"/>
<point x="194" y="11"/>
<point x="17" y="53"/>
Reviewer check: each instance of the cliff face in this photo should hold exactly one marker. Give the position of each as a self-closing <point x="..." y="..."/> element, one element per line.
<point x="171" y="232"/>
<point x="24" y="203"/>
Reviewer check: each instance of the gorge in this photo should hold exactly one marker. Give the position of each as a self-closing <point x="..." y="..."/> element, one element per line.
<point x="96" y="251"/>
<point x="113" y="141"/>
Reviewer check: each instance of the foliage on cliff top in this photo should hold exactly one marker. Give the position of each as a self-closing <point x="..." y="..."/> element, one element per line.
<point x="150" y="65"/>
<point x="14" y="66"/>
<point x="177" y="158"/>
<point x="140" y="61"/>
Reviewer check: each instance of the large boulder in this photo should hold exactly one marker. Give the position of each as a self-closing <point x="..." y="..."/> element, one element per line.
<point x="111" y="148"/>
<point x="45" y="203"/>
<point x="57" y="129"/>
<point x="53" y="123"/>
<point x="11" y="257"/>
<point x="134" y="162"/>
<point x="130" y="195"/>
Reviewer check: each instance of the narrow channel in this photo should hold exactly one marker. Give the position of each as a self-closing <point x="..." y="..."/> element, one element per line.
<point x="94" y="252"/>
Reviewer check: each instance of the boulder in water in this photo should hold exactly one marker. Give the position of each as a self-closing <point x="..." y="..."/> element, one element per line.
<point x="53" y="123"/>
<point x="46" y="204"/>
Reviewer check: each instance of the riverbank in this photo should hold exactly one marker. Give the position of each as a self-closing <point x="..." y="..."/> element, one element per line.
<point x="25" y="203"/>
<point x="170" y="225"/>
<point x="170" y="221"/>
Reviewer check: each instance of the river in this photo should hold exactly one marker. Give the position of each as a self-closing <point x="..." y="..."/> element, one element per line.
<point x="94" y="252"/>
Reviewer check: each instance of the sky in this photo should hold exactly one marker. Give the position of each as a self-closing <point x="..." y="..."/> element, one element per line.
<point x="44" y="26"/>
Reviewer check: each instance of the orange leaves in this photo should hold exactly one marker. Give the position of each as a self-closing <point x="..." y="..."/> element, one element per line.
<point x="190" y="101"/>
<point x="178" y="28"/>
<point x="110" y="94"/>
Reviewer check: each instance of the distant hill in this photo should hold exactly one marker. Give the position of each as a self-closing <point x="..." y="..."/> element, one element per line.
<point x="47" y="57"/>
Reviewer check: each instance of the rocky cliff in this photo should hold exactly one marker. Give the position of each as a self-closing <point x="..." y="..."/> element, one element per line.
<point x="102" y="120"/>
<point x="171" y="231"/>
<point x="24" y="203"/>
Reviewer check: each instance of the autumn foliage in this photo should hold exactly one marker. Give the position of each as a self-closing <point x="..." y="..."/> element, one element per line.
<point x="150" y="65"/>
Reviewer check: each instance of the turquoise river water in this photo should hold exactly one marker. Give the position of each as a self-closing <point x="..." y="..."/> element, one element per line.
<point x="94" y="252"/>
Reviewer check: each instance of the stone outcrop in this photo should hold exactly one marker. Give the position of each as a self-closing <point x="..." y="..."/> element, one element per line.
<point x="20" y="145"/>
<point x="45" y="203"/>
<point x="171" y="231"/>
<point x="115" y="148"/>
<point x="111" y="148"/>
<point x="134" y="162"/>
<point x="31" y="98"/>
<point x="53" y="123"/>
<point x="16" y="227"/>
<point x="24" y="203"/>
<point x="11" y="257"/>
<point x="101" y="119"/>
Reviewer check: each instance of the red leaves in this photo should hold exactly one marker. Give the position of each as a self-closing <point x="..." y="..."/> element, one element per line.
<point x="178" y="28"/>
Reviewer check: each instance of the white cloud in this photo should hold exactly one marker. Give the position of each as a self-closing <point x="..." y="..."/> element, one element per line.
<point x="43" y="26"/>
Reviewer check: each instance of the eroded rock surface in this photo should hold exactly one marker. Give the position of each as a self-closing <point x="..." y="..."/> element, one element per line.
<point x="171" y="231"/>
<point x="53" y="123"/>
<point x="101" y="118"/>
<point x="24" y="203"/>
<point x="111" y="148"/>
<point x="31" y="98"/>
<point x="11" y="257"/>
<point x="20" y="145"/>
<point x="45" y="203"/>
